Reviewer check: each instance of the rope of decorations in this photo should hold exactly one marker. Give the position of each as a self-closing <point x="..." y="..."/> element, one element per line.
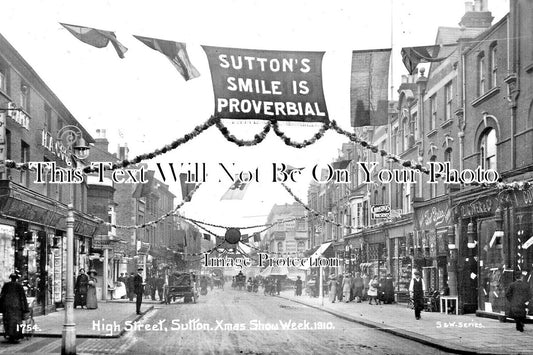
<point x="411" y="164"/>
<point x="269" y="225"/>
<point x="156" y="221"/>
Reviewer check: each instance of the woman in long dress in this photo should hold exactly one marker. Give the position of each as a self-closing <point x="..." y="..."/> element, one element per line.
<point x="91" y="291"/>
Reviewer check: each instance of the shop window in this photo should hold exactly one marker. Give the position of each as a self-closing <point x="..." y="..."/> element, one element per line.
<point x="488" y="149"/>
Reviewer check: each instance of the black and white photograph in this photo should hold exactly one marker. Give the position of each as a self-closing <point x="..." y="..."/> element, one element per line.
<point x="266" y="177"/>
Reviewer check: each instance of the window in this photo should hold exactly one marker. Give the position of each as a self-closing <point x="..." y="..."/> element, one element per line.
<point x="393" y="143"/>
<point x="448" y="158"/>
<point x="481" y="87"/>
<point x="48" y="118"/>
<point x="448" y="99"/>
<point x="3" y="80"/>
<point x="406" y="133"/>
<point x="414" y="126"/>
<point x="433" y="112"/>
<point x="493" y="66"/>
<point x="407" y="197"/>
<point x="280" y="247"/>
<point x="383" y="195"/>
<point x="24" y="158"/>
<point x="8" y="144"/>
<point x="24" y="97"/>
<point x="433" y="187"/>
<point x="488" y="149"/>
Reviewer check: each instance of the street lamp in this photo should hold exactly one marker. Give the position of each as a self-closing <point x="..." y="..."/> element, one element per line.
<point x="72" y="138"/>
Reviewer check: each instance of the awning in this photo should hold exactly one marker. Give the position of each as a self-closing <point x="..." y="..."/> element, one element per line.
<point x="275" y="271"/>
<point x="321" y="250"/>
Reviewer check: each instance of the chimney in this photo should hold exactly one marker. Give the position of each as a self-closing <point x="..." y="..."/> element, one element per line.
<point x="477" y="15"/>
<point x="101" y="141"/>
<point x="123" y="152"/>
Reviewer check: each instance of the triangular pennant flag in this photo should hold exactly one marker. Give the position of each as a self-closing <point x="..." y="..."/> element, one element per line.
<point x="369" y="87"/>
<point x="412" y="56"/>
<point x="257" y="237"/>
<point x="244" y="238"/>
<point x="342" y="164"/>
<point x="96" y="38"/>
<point x="207" y="236"/>
<point x="236" y="191"/>
<point x="176" y="52"/>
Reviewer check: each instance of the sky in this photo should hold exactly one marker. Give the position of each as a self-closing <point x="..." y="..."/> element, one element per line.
<point x="143" y="101"/>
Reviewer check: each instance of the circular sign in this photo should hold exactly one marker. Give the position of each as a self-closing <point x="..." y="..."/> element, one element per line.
<point x="233" y="236"/>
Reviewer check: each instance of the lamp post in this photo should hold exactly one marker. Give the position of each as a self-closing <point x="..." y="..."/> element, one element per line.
<point x="72" y="138"/>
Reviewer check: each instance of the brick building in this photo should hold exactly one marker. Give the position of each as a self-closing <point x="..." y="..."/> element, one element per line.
<point x="33" y="215"/>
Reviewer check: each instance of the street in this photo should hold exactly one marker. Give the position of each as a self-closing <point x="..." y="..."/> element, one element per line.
<point x="236" y="322"/>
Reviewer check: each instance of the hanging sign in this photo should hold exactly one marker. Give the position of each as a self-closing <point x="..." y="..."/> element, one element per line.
<point x="380" y="211"/>
<point x="261" y="84"/>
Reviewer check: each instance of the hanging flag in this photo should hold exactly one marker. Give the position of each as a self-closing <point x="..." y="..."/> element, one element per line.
<point x="236" y="191"/>
<point x="186" y="187"/>
<point x="96" y="38"/>
<point x="412" y="56"/>
<point x="144" y="189"/>
<point x="369" y="87"/>
<point x="257" y="237"/>
<point x="207" y="236"/>
<point x="245" y="238"/>
<point x="176" y="52"/>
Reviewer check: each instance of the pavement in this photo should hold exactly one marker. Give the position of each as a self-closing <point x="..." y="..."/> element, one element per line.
<point x="463" y="334"/>
<point x="107" y="321"/>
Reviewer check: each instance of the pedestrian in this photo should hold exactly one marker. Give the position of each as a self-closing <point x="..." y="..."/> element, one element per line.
<point x="153" y="288"/>
<point x="160" y="283"/>
<point x="298" y="286"/>
<point x="138" y="288"/>
<point x="121" y="278"/>
<point x="518" y="294"/>
<point x="339" y="288"/>
<point x="373" y="286"/>
<point x="416" y="290"/>
<point x="80" y="289"/>
<point x="332" y="288"/>
<point x="366" y="281"/>
<point x="91" y="290"/>
<point x="278" y="286"/>
<point x="346" y="287"/>
<point x="14" y="307"/>
<point x="130" y="287"/>
<point x="388" y="290"/>
<point x="358" y="287"/>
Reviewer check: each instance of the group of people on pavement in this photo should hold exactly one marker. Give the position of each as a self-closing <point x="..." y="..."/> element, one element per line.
<point x="85" y="290"/>
<point x="360" y="287"/>
<point x="154" y="285"/>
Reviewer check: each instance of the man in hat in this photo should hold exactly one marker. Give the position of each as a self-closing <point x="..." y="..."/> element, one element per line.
<point x="518" y="294"/>
<point x="417" y="289"/>
<point x="13" y="305"/>
<point x="138" y="286"/>
<point x="298" y="286"/>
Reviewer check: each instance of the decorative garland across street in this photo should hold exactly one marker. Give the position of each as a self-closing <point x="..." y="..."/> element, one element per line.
<point x="410" y="164"/>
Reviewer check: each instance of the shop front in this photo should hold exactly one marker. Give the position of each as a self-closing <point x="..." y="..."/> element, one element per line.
<point x="432" y="222"/>
<point x="400" y="235"/>
<point x="495" y="240"/>
<point x="33" y="242"/>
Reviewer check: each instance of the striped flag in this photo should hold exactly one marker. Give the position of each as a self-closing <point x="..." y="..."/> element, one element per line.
<point x="96" y="38"/>
<point x="176" y="52"/>
<point x="412" y="56"/>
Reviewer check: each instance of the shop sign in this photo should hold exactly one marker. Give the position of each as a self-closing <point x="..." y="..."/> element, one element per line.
<point x="523" y="198"/>
<point x="54" y="146"/>
<point x="432" y="217"/>
<point x="477" y="208"/>
<point x="380" y="211"/>
<point x="265" y="84"/>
